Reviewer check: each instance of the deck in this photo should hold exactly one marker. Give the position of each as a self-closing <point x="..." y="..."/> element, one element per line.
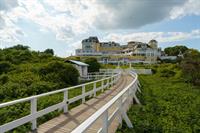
<point x="65" y="123"/>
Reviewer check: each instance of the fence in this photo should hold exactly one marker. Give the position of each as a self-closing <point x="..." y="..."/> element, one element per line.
<point x="32" y="117"/>
<point x="124" y="97"/>
<point x="142" y="71"/>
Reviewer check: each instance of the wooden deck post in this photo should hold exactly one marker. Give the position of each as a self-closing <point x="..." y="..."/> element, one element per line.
<point x="65" y="107"/>
<point x="33" y="112"/>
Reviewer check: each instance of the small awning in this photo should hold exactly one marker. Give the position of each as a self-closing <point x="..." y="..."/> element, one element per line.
<point x="79" y="63"/>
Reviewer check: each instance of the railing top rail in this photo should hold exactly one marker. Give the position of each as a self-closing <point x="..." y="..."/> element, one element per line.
<point x="50" y="93"/>
<point x="98" y="113"/>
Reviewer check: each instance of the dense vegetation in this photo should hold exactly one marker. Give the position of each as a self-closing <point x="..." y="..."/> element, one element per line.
<point x="169" y="105"/>
<point x="25" y="73"/>
<point x="191" y="66"/>
<point x="94" y="65"/>
<point x="174" y="51"/>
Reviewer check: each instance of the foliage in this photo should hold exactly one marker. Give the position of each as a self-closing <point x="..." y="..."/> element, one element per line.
<point x="168" y="105"/>
<point x="73" y="58"/>
<point x="5" y="66"/>
<point x="59" y="72"/>
<point x="25" y="73"/>
<point x="49" y="51"/>
<point x="191" y="66"/>
<point x="94" y="66"/>
<point x="174" y="51"/>
<point x="167" y="73"/>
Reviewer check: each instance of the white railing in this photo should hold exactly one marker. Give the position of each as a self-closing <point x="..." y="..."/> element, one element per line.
<point x="103" y="73"/>
<point x="34" y="114"/>
<point x="142" y="71"/>
<point x="124" y="97"/>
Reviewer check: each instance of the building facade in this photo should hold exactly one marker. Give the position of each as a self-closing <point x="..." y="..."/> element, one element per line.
<point x="114" y="52"/>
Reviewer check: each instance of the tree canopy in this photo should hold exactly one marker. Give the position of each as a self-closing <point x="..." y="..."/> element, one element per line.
<point x="94" y="65"/>
<point x="174" y="51"/>
<point x="191" y="66"/>
<point x="49" y="51"/>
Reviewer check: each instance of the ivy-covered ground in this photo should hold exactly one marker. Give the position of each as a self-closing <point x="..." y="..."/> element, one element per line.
<point x="169" y="105"/>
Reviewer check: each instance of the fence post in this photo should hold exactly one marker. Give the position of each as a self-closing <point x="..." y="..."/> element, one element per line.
<point x="120" y="110"/>
<point x="102" y="85"/>
<point x="33" y="112"/>
<point x="108" y="83"/>
<point x="105" y="122"/>
<point x="113" y="81"/>
<point x="94" y="88"/>
<point x="65" y="107"/>
<point x="83" y="94"/>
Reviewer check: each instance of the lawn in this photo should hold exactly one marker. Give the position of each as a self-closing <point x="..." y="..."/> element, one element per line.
<point x="168" y="106"/>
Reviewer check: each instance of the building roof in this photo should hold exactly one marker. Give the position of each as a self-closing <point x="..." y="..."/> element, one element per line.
<point x="77" y="62"/>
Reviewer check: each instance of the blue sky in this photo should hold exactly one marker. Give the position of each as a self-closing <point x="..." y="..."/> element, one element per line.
<point x="62" y="24"/>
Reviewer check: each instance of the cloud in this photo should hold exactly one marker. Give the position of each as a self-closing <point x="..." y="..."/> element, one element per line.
<point x="125" y="14"/>
<point x="8" y="4"/>
<point x="68" y="19"/>
<point x="2" y="23"/>
<point x="191" y="7"/>
<point x="161" y="37"/>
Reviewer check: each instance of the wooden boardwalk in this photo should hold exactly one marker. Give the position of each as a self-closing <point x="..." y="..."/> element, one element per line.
<point x="65" y="123"/>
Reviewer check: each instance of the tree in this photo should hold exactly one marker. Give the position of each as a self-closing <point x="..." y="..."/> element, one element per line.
<point x="59" y="72"/>
<point x="49" y="51"/>
<point x="174" y="51"/>
<point x="191" y="66"/>
<point x="94" y="65"/>
<point x="5" y="66"/>
<point x="19" y="47"/>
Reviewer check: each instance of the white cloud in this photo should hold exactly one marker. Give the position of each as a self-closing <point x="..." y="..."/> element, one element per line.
<point x="70" y="18"/>
<point x="161" y="37"/>
<point x="126" y="14"/>
<point x="191" y="7"/>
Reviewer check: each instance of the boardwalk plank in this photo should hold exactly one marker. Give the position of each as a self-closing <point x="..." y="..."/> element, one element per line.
<point x="67" y="122"/>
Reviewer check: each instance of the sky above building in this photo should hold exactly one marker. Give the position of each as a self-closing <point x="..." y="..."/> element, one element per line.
<point x="62" y="24"/>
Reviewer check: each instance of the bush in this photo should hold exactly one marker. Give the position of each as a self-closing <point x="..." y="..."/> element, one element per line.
<point x="191" y="66"/>
<point x="94" y="65"/>
<point x="49" y="51"/>
<point x="60" y="72"/>
<point x="167" y="73"/>
<point x="153" y="70"/>
<point x="5" y="66"/>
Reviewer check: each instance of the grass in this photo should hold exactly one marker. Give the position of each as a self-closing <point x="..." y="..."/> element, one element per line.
<point x="168" y="106"/>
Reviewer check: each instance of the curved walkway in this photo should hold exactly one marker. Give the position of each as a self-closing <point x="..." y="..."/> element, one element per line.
<point x="65" y="123"/>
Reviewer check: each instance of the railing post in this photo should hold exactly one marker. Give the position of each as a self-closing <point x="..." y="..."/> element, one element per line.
<point x="111" y="81"/>
<point x="94" y="88"/>
<point x="83" y="92"/>
<point x="130" y="99"/>
<point x="108" y="83"/>
<point x="102" y="85"/>
<point x="65" y="108"/>
<point x="33" y="112"/>
<point x="105" y="122"/>
<point x="120" y="110"/>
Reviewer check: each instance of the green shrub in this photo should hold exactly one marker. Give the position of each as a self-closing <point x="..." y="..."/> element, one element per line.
<point x="94" y="66"/>
<point x="60" y="72"/>
<point x="5" y="66"/>
<point x="167" y="73"/>
<point x="191" y="66"/>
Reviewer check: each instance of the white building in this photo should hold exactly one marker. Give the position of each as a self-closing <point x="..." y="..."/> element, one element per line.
<point x="80" y="66"/>
<point x="142" y="49"/>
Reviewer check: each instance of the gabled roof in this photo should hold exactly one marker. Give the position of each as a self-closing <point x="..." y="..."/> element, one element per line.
<point x="77" y="62"/>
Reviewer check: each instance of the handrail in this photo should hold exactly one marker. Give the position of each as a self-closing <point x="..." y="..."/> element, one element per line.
<point x="32" y="117"/>
<point x="103" y="111"/>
